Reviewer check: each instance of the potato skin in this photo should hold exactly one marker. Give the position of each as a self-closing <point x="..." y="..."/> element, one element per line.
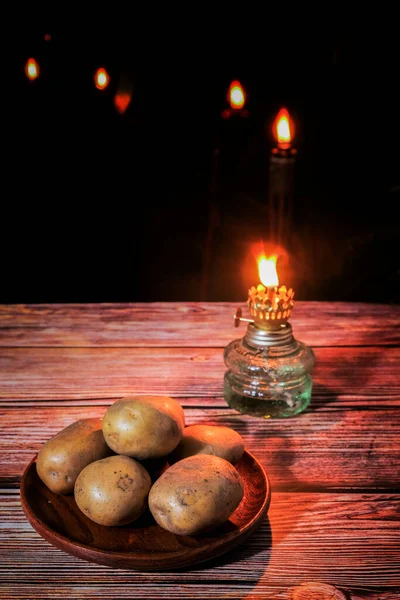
<point x="195" y="495"/>
<point x="64" y="456"/>
<point x="144" y="427"/>
<point x="113" y="491"/>
<point x="210" y="439"/>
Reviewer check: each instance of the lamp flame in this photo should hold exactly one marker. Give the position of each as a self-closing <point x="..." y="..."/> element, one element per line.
<point x="32" y="69"/>
<point x="267" y="271"/>
<point x="283" y="128"/>
<point x="236" y="95"/>
<point x="101" y="79"/>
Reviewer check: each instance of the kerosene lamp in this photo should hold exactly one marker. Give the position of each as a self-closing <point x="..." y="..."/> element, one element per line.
<point x="269" y="370"/>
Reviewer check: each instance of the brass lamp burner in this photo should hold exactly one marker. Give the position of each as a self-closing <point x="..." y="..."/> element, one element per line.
<point x="270" y="306"/>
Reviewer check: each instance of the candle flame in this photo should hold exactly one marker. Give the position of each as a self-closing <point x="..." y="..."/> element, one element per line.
<point x="101" y="79"/>
<point x="236" y="95"/>
<point x="32" y="69"/>
<point x="283" y="128"/>
<point x="267" y="271"/>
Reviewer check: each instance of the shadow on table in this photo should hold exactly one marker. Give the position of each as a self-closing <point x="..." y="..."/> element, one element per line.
<point x="258" y="542"/>
<point x="354" y="376"/>
<point x="322" y="396"/>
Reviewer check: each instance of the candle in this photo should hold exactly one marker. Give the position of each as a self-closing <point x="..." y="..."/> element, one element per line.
<point x="232" y="134"/>
<point x="281" y="177"/>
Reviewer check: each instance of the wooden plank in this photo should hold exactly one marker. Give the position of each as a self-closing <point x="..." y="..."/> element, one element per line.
<point x="189" y="324"/>
<point x="229" y="590"/>
<point x="82" y="373"/>
<point x="351" y="541"/>
<point x="316" y="451"/>
<point x="319" y="402"/>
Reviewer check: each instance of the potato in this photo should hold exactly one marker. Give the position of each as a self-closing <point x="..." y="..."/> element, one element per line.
<point x="209" y="439"/>
<point x="196" y="494"/>
<point x="64" y="456"/>
<point x="144" y="426"/>
<point x="113" y="491"/>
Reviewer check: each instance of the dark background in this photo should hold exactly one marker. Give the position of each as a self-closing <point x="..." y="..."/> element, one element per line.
<point x="104" y="207"/>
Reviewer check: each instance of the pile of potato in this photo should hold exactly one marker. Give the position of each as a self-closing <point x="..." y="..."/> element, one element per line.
<point x="110" y="466"/>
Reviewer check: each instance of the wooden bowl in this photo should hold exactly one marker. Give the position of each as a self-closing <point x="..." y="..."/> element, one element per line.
<point x="143" y="545"/>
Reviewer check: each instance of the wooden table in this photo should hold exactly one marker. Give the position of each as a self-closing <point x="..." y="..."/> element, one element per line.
<point x="335" y="511"/>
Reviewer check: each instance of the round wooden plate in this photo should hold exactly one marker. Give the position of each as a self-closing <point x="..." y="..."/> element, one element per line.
<point x="143" y="545"/>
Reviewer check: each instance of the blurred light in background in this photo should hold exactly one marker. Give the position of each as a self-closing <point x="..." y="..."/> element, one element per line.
<point x="101" y="79"/>
<point x="121" y="101"/>
<point x="32" y="69"/>
<point x="236" y="95"/>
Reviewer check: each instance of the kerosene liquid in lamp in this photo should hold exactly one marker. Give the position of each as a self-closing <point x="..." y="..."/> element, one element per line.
<point x="268" y="369"/>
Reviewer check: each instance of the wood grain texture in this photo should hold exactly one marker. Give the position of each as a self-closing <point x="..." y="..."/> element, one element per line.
<point x="327" y="522"/>
<point x="84" y="373"/>
<point x="319" y="401"/>
<point x="188" y="324"/>
<point x="351" y="541"/>
<point x="107" y="591"/>
<point x="324" y="450"/>
<point x="316" y="591"/>
<point x="25" y="591"/>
